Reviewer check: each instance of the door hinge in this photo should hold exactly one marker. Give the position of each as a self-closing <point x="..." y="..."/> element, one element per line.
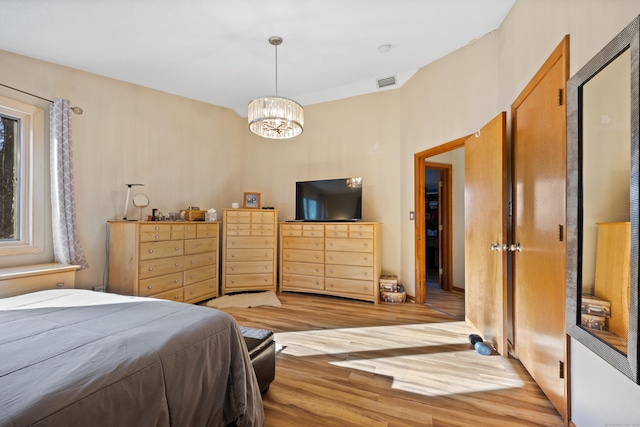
<point x="440" y="227"/>
<point x="510" y="209"/>
<point x="441" y="272"/>
<point x="561" y="369"/>
<point x="440" y="184"/>
<point x="560" y="232"/>
<point x="560" y="97"/>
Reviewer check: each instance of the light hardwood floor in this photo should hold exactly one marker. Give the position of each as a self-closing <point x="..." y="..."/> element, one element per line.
<point x="351" y="363"/>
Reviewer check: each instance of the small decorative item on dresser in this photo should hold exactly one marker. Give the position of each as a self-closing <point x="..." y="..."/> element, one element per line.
<point x="251" y="201"/>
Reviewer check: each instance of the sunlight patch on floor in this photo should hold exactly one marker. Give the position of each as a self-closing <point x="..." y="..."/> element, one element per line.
<point x="376" y="338"/>
<point x="413" y="359"/>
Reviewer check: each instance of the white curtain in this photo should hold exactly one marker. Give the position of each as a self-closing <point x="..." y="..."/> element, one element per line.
<point x="66" y="245"/>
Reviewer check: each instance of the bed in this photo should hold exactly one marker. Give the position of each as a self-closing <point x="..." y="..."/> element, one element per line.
<point x="83" y="358"/>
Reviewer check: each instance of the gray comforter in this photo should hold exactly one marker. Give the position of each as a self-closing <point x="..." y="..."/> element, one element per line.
<point x="82" y="358"/>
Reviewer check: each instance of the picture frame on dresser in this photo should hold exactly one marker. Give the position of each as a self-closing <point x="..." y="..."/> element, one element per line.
<point x="251" y="200"/>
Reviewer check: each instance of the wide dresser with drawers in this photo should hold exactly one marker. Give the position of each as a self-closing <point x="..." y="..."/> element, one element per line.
<point x="339" y="259"/>
<point x="170" y="260"/>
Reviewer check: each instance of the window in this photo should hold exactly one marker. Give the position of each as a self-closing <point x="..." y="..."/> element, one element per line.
<point x="21" y="178"/>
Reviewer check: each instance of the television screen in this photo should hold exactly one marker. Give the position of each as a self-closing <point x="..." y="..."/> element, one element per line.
<point x="329" y="200"/>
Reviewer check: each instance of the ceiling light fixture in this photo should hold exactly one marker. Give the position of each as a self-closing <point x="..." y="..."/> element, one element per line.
<point x="273" y="116"/>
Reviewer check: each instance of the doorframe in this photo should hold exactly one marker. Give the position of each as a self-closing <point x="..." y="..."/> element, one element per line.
<point x="420" y="257"/>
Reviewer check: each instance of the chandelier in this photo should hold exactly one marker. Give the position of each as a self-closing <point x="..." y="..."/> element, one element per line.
<point x="273" y="116"/>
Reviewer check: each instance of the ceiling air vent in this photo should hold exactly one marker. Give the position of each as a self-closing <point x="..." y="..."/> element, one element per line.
<point x="387" y="81"/>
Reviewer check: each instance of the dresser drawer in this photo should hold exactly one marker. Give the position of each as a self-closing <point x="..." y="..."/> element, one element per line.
<point x="308" y="269"/>
<point x="183" y="234"/>
<point x="353" y="245"/>
<point x="355" y="287"/>
<point x="302" y="255"/>
<point x="40" y="282"/>
<point x="207" y="288"/>
<point x="195" y="246"/>
<point x="155" y="250"/>
<point x="349" y="258"/>
<point x="159" y="267"/>
<point x="200" y="274"/>
<point x="293" y="282"/>
<point x="239" y="229"/>
<point x="313" y="232"/>
<point x="311" y="243"/>
<point x="172" y="295"/>
<point x="154" y="285"/>
<point x="291" y="229"/>
<point x="360" y="228"/>
<point x="337" y="228"/>
<point x="206" y="230"/>
<point x="250" y="254"/>
<point x="154" y="232"/>
<point x="349" y="272"/>
<point x="244" y="281"/>
<point x="237" y="216"/>
<point x="249" y="242"/>
<point x="263" y="217"/>
<point x="261" y="229"/>
<point x="249" y="267"/>
<point x="337" y="233"/>
<point x="200" y="260"/>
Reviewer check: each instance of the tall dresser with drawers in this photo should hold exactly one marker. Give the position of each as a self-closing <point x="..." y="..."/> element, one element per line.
<point x="340" y="259"/>
<point x="177" y="261"/>
<point x="249" y="250"/>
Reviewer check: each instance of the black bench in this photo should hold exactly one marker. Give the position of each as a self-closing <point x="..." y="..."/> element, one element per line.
<point x="262" y="351"/>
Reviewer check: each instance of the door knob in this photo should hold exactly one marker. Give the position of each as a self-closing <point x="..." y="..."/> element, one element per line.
<point x="512" y="247"/>
<point x="495" y="247"/>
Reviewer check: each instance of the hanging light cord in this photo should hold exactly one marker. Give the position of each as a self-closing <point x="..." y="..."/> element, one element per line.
<point x="276" y="70"/>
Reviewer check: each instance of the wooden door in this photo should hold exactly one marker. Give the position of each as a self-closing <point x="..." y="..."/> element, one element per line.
<point x="485" y="232"/>
<point x="539" y="176"/>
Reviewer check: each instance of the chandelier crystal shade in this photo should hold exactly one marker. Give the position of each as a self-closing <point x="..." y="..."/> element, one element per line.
<point x="273" y="116"/>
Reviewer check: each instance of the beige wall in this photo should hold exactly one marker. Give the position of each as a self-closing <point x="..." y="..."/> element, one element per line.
<point x="185" y="152"/>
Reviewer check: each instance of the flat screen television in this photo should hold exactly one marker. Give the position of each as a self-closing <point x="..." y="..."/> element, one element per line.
<point x="329" y="200"/>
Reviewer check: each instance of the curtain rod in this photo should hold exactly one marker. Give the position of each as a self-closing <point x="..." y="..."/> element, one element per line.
<point x="76" y="110"/>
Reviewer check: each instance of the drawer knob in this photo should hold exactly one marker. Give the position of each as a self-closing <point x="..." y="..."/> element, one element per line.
<point x="185" y="227"/>
<point x="191" y="277"/>
<point x="157" y="228"/>
<point x="185" y="235"/>
<point x="177" y="248"/>
<point x="150" y="268"/>
<point x="193" y="246"/>
<point x="175" y="297"/>
<point x="365" y="274"/>
<point x="60" y="285"/>
<point x="150" y="251"/>
<point x="177" y="264"/>
<point x="149" y="287"/>
<point x="331" y="257"/>
<point x="233" y="268"/>
<point x="176" y="281"/>
<point x="193" y="261"/>
<point x="191" y="292"/>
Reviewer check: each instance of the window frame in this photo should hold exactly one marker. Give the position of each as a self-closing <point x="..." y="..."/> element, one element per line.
<point x="32" y="176"/>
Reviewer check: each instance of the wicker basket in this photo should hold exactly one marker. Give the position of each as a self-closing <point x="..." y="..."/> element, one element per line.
<point x="393" y="297"/>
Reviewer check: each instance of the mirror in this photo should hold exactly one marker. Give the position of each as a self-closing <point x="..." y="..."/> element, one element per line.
<point x="140" y="201"/>
<point x="603" y="125"/>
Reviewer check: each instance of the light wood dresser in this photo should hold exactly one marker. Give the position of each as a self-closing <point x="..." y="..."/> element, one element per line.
<point x="177" y="261"/>
<point x="340" y="259"/>
<point x="40" y="277"/>
<point x="249" y="250"/>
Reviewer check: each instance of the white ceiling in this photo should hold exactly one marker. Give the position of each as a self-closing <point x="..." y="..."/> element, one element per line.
<point x="217" y="51"/>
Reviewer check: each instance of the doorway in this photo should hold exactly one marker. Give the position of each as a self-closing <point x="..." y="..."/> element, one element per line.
<point x="439" y="249"/>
